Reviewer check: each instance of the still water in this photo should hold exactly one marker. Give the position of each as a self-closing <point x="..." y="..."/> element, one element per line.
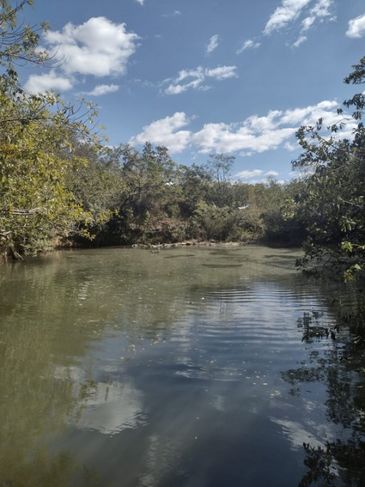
<point x="130" y="368"/>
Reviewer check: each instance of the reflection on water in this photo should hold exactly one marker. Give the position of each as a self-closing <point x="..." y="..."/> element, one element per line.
<point x="123" y="367"/>
<point x="107" y="407"/>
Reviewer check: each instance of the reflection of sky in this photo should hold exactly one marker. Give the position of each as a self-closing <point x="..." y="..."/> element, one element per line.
<point x="241" y="333"/>
<point x="245" y="335"/>
<point x="107" y="407"/>
<point x="213" y="375"/>
<point x="297" y="434"/>
<point x="111" y="408"/>
<point x="174" y="367"/>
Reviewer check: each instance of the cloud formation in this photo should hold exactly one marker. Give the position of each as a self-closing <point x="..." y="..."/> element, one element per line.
<point x="167" y="132"/>
<point x="100" y="90"/>
<point x="291" y="10"/>
<point x="99" y="47"/>
<point x="320" y="11"/>
<point x="255" y="134"/>
<point x="213" y="43"/>
<point x="252" y="175"/>
<point x="356" y="28"/>
<point x="40" y="83"/>
<point x="287" y="12"/>
<point x="249" y="44"/>
<point x="299" y="41"/>
<point x="195" y="79"/>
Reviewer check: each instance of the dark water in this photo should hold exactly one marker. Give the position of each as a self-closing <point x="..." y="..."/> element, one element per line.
<point x="182" y="368"/>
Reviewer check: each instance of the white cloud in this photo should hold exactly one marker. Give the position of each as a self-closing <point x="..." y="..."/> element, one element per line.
<point x="287" y="12"/>
<point x="141" y="2"/>
<point x="290" y="10"/>
<point x="356" y="28"/>
<point x="221" y="137"/>
<point x="167" y="132"/>
<point x="249" y="44"/>
<point x="222" y="72"/>
<point x="99" y="47"/>
<point x="320" y="11"/>
<point x="271" y="174"/>
<point x="300" y="41"/>
<point x="289" y="146"/>
<point x="255" y="175"/>
<point x="195" y="78"/>
<point x="100" y="90"/>
<point x="213" y="43"/>
<point x="256" y="134"/>
<point x="248" y="174"/>
<point x="47" y="82"/>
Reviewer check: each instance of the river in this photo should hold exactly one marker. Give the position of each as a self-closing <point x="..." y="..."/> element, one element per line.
<point x="185" y="367"/>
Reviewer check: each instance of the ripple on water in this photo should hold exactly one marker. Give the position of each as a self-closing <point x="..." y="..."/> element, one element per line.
<point x="161" y="367"/>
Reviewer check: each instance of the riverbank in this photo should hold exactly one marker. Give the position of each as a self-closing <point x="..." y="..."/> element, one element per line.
<point x="189" y="243"/>
<point x="146" y="246"/>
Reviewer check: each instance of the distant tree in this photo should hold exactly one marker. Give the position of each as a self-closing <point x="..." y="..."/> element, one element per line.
<point x="220" y="166"/>
<point x="195" y="182"/>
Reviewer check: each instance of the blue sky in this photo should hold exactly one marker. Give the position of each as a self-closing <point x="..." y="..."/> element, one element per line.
<point x="235" y="76"/>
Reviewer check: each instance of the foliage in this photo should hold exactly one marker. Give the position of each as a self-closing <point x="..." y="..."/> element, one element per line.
<point x="18" y="43"/>
<point x="35" y="159"/>
<point x="36" y="151"/>
<point x="332" y="202"/>
<point x="211" y="222"/>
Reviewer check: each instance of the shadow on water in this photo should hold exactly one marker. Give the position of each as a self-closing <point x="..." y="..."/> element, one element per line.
<point x="122" y="367"/>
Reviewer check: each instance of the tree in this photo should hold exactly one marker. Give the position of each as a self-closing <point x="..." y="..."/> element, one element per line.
<point x="35" y="160"/>
<point x="332" y="203"/>
<point x="18" y="43"/>
<point x="36" y="150"/>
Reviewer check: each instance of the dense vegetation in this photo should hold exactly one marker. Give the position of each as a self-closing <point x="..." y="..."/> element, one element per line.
<point x="333" y="201"/>
<point x="59" y="184"/>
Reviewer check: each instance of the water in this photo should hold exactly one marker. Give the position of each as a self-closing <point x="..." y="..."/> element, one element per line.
<point x="180" y="368"/>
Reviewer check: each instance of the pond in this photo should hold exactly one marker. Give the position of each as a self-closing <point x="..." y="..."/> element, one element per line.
<point x="185" y="367"/>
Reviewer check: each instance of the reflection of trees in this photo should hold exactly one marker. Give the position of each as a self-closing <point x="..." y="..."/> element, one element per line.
<point x="336" y="459"/>
<point x="44" y="470"/>
<point x="342" y="370"/>
<point x="32" y="405"/>
<point x="55" y="310"/>
<point x="37" y="320"/>
<point x="52" y="311"/>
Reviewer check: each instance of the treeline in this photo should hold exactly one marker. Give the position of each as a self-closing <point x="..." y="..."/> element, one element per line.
<point x="60" y="185"/>
<point x="145" y="197"/>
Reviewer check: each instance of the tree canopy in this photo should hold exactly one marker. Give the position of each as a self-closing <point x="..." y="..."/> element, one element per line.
<point x="332" y="204"/>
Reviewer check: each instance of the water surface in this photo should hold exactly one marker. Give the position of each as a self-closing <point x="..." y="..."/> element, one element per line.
<point x="130" y="368"/>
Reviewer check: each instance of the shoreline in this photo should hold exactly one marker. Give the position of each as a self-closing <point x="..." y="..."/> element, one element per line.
<point x="152" y="247"/>
<point x="187" y="243"/>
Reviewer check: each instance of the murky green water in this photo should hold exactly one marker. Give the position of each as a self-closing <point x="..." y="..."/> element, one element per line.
<point x="129" y="368"/>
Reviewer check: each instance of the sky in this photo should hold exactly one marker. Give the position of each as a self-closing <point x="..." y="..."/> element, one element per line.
<point x="203" y="76"/>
